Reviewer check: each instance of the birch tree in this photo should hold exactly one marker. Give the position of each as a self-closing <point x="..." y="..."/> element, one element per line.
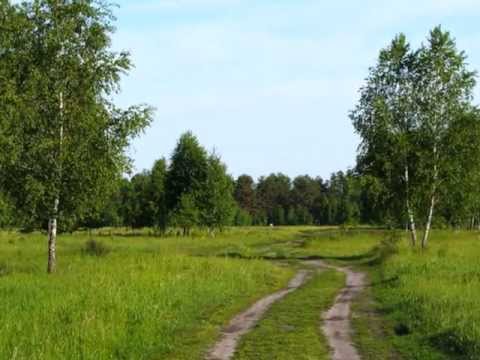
<point x="444" y="86"/>
<point x="64" y="137"/>
<point x="411" y="105"/>
<point x="385" y="118"/>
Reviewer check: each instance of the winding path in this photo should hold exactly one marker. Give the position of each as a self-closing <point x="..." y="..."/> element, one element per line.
<point x="336" y="321"/>
<point x="244" y="322"/>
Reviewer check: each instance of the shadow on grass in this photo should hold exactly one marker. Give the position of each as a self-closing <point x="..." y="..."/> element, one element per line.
<point x="340" y="231"/>
<point x="368" y="258"/>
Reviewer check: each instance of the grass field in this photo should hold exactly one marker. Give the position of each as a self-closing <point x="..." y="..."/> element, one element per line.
<point x="138" y="296"/>
<point x="145" y="299"/>
<point x="433" y="297"/>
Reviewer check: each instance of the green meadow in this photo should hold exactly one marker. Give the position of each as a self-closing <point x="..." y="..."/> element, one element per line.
<point x="134" y="295"/>
<point x="432" y="296"/>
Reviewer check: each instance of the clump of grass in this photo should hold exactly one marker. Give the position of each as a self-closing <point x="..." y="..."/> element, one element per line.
<point x="95" y="248"/>
<point x="4" y="269"/>
<point x="387" y="247"/>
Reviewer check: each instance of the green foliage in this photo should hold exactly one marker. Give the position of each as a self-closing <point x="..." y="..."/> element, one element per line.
<point x="244" y="193"/>
<point x="242" y="218"/>
<point x="216" y="204"/>
<point x="6" y="212"/>
<point x="157" y="194"/>
<point x="409" y="109"/>
<point x="186" y="215"/>
<point x="62" y="138"/>
<point x="273" y="196"/>
<point x="188" y="170"/>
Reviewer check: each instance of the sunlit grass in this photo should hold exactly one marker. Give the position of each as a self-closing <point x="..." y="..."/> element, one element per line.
<point x="145" y="299"/>
<point x="435" y="293"/>
<point x="144" y="296"/>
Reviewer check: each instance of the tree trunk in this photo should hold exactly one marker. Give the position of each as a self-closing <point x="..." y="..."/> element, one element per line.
<point x="432" y="200"/>
<point x="52" y="240"/>
<point x="429" y="223"/>
<point x="52" y="222"/>
<point x="411" y="218"/>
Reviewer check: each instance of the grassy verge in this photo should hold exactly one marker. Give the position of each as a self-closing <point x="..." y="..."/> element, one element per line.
<point x="373" y="334"/>
<point x="380" y="331"/>
<point x="291" y="328"/>
<point x="424" y="304"/>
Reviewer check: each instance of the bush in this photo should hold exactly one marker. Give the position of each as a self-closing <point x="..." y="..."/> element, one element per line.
<point x="95" y="248"/>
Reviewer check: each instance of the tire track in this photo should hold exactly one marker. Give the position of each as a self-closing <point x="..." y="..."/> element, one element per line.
<point x="241" y="324"/>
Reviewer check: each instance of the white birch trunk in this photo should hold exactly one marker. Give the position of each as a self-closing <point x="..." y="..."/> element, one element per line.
<point x="432" y="200"/>
<point x="52" y="222"/>
<point x="52" y="240"/>
<point x="429" y="223"/>
<point x="411" y="217"/>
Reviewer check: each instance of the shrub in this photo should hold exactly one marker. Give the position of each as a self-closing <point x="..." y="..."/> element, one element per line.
<point x="95" y="248"/>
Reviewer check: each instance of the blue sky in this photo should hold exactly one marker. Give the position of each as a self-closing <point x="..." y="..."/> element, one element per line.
<point x="267" y="84"/>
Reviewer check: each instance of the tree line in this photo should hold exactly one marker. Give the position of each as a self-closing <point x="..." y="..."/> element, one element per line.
<point x="193" y="189"/>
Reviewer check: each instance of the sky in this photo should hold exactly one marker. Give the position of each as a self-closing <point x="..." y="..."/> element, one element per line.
<point x="267" y="84"/>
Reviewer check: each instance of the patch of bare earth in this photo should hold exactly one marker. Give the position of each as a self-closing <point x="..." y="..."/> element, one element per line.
<point x="244" y="322"/>
<point x="336" y="321"/>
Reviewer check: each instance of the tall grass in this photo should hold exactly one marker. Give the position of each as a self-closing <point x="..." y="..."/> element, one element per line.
<point x="144" y="296"/>
<point x="435" y="294"/>
<point x="145" y="299"/>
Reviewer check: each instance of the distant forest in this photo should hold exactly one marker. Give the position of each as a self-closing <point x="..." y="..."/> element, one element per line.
<point x="194" y="189"/>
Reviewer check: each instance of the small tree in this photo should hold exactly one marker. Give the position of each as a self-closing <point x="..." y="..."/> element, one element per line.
<point x="157" y="193"/>
<point x="405" y="117"/>
<point x="216" y="199"/>
<point x="242" y="218"/>
<point x="188" y="170"/>
<point x="186" y="215"/>
<point x="273" y="193"/>
<point x="142" y="205"/>
<point x="443" y="88"/>
<point x="245" y="193"/>
<point x="385" y="118"/>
